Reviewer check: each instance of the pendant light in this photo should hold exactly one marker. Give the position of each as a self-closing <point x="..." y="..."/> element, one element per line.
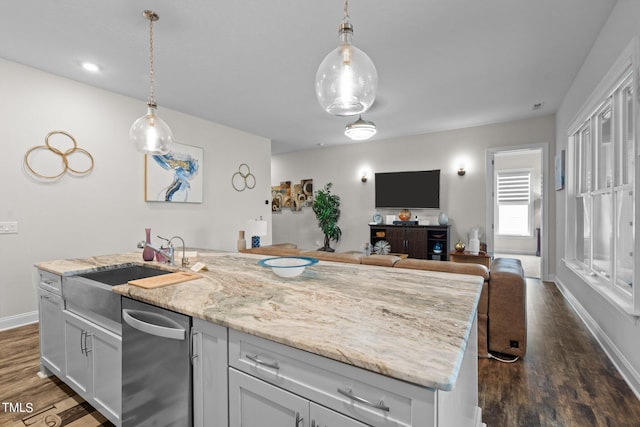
<point x="360" y="130"/>
<point x="150" y="134"/>
<point x="346" y="80"/>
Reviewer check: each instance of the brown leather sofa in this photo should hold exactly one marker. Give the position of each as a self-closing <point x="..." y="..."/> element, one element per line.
<point x="502" y="316"/>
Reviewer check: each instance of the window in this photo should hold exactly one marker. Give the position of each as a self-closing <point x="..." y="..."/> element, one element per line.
<point x="514" y="203"/>
<point x="601" y="197"/>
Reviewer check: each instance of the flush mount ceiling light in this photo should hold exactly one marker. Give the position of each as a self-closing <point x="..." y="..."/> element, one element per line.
<point x="360" y="130"/>
<point x="346" y="80"/>
<point x="150" y="134"/>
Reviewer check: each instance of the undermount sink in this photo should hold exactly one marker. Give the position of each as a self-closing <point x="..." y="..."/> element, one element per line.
<point x="121" y="275"/>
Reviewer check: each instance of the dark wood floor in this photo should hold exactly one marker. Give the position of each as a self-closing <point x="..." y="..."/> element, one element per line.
<point x="564" y="380"/>
<point x="34" y="401"/>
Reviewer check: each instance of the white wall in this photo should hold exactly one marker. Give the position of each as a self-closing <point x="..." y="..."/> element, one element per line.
<point x="105" y="212"/>
<point x="617" y="332"/>
<point x="462" y="198"/>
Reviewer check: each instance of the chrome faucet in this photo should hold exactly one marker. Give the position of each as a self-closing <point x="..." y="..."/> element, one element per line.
<point x="167" y="253"/>
<point x="185" y="261"/>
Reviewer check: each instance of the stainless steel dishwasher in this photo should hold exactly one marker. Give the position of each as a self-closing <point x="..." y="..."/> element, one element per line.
<point x="156" y="366"/>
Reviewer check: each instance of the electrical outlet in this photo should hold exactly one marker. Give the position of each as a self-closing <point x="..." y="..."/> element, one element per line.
<point x="514" y="344"/>
<point x="9" y="227"/>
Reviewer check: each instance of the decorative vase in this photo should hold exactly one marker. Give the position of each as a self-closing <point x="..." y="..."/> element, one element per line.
<point x="404" y="215"/>
<point x="147" y="252"/>
<point x="459" y="247"/>
<point x="242" y="243"/>
<point x="443" y="219"/>
<point x="160" y="257"/>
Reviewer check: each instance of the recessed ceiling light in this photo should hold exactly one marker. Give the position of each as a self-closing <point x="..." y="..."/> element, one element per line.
<point x="90" y="66"/>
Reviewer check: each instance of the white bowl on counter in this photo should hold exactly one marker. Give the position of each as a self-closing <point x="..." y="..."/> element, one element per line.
<point x="288" y="266"/>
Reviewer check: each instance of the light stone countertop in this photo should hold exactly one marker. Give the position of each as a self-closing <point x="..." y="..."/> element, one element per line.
<point x="407" y="324"/>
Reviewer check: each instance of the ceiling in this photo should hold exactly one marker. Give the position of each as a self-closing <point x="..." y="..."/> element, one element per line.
<point x="251" y="64"/>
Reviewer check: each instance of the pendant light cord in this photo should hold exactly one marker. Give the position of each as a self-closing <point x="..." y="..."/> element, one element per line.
<point x="346" y="18"/>
<point x="152" y="100"/>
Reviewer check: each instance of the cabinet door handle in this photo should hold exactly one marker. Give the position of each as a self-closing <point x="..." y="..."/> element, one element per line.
<point x="82" y="341"/>
<point x="256" y="359"/>
<point x="299" y="419"/>
<point x="193" y="353"/>
<point x="86" y="347"/>
<point x="380" y="405"/>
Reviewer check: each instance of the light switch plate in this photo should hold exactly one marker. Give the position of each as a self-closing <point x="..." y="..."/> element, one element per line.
<point x="9" y="227"/>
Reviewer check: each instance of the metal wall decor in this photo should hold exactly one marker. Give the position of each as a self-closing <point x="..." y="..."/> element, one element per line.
<point x="65" y="157"/>
<point x="243" y="179"/>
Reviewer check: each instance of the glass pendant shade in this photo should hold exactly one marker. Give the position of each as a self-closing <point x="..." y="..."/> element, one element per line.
<point x="360" y="130"/>
<point x="346" y="80"/>
<point x="150" y="134"/>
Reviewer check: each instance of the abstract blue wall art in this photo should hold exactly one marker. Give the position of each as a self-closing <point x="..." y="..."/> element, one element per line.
<point x="176" y="176"/>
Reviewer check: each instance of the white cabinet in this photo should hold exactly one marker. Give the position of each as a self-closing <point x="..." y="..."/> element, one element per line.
<point x="209" y="356"/>
<point x="323" y="417"/>
<point x="255" y="403"/>
<point x="94" y="364"/>
<point x="271" y="380"/>
<point x="78" y="366"/>
<point x="358" y="394"/>
<point x="50" y="306"/>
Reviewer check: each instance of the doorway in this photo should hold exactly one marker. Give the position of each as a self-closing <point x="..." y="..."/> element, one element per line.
<point x="516" y="206"/>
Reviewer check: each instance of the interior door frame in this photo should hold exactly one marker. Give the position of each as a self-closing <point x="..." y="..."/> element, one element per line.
<point x="490" y="201"/>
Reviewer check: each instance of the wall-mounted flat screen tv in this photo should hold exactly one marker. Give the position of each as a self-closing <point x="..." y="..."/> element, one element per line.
<point x="417" y="189"/>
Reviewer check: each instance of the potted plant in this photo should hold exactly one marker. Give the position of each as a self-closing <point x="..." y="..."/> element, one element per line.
<point x="326" y="206"/>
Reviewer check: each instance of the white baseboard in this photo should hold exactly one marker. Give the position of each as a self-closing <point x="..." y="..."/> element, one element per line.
<point x="18" y="320"/>
<point x="626" y="369"/>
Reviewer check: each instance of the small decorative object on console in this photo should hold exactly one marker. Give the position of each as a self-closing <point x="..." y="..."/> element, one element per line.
<point x="459" y="247"/>
<point x="443" y="219"/>
<point x="404" y="215"/>
<point x="382" y="247"/>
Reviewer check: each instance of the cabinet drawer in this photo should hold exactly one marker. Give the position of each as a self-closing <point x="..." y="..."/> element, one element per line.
<point x="49" y="281"/>
<point x="372" y="398"/>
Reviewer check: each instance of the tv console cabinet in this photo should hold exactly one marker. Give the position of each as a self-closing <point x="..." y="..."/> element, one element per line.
<point x="417" y="241"/>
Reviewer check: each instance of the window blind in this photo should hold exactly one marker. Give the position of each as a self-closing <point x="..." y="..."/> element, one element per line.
<point x="514" y="187"/>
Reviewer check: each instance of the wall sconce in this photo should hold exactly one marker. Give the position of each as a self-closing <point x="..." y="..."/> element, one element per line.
<point x="365" y="175"/>
<point x="461" y="172"/>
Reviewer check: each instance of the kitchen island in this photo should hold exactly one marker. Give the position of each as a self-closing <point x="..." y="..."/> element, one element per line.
<point x="414" y="327"/>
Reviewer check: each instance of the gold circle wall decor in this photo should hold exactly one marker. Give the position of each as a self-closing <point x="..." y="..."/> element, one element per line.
<point x="243" y="179"/>
<point x="64" y="156"/>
